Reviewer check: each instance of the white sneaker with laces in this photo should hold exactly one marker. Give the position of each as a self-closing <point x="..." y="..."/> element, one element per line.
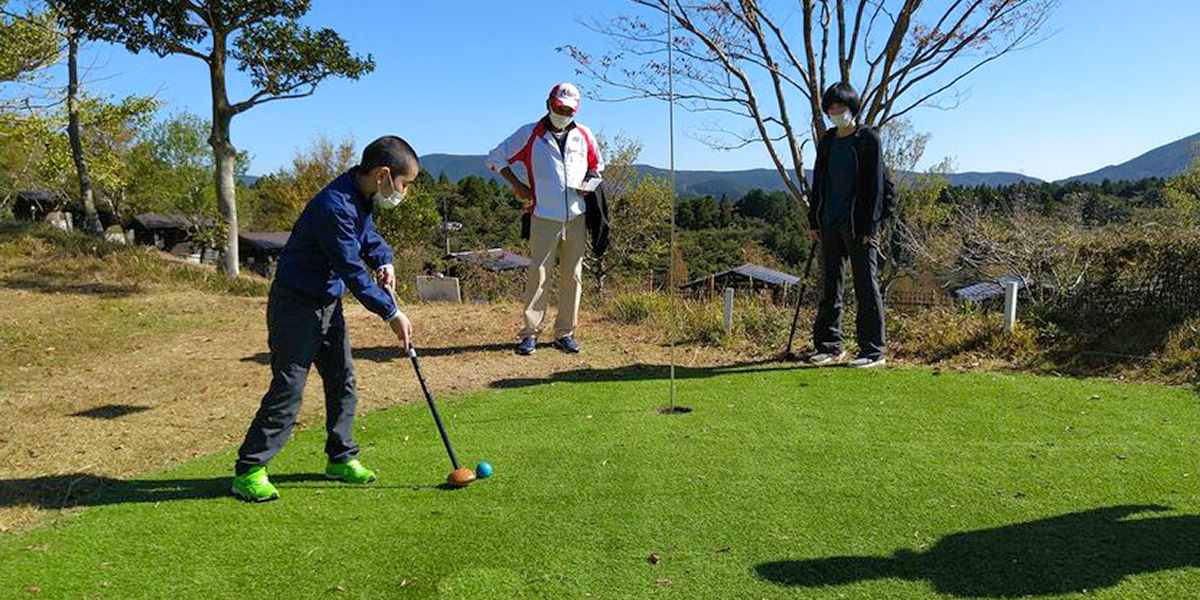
<point x="866" y="363"/>
<point x="826" y="358"/>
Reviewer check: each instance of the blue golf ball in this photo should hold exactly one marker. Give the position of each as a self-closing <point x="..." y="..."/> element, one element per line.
<point x="483" y="470"/>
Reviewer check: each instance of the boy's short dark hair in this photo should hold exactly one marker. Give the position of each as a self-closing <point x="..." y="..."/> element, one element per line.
<point x="391" y="152"/>
<point x="841" y="93"/>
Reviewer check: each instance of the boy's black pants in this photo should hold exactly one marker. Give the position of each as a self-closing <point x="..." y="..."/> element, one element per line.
<point x="302" y="332"/>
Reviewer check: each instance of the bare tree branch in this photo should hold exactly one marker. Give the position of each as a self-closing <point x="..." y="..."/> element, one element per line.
<point x="731" y="55"/>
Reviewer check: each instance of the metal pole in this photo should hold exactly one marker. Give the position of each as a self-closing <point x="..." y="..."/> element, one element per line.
<point x="812" y="252"/>
<point x="671" y="120"/>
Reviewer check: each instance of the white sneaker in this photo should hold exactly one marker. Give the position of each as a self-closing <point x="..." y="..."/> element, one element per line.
<point x="866" y="363"/>
<point x="826" y="358"/>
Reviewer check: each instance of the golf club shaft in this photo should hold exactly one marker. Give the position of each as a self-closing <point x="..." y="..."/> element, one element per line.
<point x="412" y="353"/>
<point x="812" y="253"/>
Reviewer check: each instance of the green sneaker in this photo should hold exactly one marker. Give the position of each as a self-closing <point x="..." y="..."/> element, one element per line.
<point x="253" y="486"/>
<point x="350" y="472"/>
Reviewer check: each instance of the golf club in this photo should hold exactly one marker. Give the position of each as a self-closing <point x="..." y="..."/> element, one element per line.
<point x="459" y="477"/>
<point x="812" y="253"/>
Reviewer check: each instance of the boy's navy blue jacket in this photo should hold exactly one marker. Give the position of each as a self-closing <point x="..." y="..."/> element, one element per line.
<point x="333" y="245"/>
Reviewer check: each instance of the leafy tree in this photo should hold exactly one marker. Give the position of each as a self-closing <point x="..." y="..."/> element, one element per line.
<point x="29" y="45"/>
<point x="711" y="250"/>
<point x="490" y="215"/>
<point x="264" y="38"/>
<point x="284" y="194"/>
<point x="639" y="210"/>
<point x="411" y="225"/>
<point x="41" y="22"/>
<point x="36" y="153"/>
<point x="1183" y="194"/>
<point x="704" y="212"/>
<point x="171" y="171"/>
<point x="725" y="212"/>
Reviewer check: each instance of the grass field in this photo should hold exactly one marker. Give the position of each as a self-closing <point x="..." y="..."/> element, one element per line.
<point x="798" y="483"/>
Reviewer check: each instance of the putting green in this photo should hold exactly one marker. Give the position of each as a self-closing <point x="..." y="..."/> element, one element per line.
<point x="780" y="484"/>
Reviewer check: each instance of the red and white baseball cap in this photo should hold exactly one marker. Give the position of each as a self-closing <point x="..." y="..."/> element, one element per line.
<point x="565" y="94"/>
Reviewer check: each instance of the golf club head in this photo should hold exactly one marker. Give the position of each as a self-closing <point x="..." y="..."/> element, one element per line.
<point x="460" y="478"/>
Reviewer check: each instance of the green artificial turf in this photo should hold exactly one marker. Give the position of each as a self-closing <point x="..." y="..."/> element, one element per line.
<point x="797" y="483"/>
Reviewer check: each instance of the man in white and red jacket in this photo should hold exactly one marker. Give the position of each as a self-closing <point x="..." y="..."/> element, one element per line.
<point x="550" y="163"/>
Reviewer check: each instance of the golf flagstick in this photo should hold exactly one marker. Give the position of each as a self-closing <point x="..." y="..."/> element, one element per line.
<point x="812" y="253"/>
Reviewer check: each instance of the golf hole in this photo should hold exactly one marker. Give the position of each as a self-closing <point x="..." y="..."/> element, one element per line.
<point x="674" y="410"/>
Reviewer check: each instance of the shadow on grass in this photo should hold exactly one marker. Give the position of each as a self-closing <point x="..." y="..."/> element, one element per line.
<point x="385" y="354"/>
<point x="84" y="489"/>
<point x="1068" y="554"/>
<point x="644" y="372"/>
<point x="102" y="290"/>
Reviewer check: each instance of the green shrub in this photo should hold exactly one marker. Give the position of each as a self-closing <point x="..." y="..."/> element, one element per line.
<point x="637" y="308"/>
<point x="700" y="322"/>
<point x="763" y="322"/>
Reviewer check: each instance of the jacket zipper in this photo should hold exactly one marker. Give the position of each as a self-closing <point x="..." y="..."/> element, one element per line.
<point x="854" y="198"/>
<point x="562" y="152"/>
<point x="566" y="188"/>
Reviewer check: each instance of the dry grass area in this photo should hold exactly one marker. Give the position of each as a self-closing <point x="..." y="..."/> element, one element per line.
<point x="122" y="384"/>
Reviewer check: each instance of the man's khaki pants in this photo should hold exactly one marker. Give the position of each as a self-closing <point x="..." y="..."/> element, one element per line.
<point x="549" y="248"/>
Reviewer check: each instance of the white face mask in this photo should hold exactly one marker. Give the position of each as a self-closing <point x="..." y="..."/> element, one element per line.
<point x="842" y="119"/>
<point x="389" y="201"/>
<point x="560" y="121"/>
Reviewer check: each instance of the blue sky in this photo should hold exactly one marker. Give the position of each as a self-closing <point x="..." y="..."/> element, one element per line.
<point x="1118" y="79"/>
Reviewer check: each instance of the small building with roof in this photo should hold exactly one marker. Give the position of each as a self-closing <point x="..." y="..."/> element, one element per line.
<point x="35" y="205"/>
<point x="747" y="276"/>
<point x="495" y="259"/>
<point x="261" y="250"/>
<point x="988" y="291"/>
<point x="165" y="232"/>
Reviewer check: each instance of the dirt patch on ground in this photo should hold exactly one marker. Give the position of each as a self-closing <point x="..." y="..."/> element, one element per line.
<point x="118" y="386"/>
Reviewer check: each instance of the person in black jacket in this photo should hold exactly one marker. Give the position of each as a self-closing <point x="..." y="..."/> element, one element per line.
<point x="843" y="215"/>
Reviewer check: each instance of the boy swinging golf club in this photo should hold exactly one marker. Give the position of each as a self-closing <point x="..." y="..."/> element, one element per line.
<point x="333" y="246"/>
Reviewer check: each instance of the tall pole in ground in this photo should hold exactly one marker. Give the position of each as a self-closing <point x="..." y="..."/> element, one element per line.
<point x="671" y="119"/>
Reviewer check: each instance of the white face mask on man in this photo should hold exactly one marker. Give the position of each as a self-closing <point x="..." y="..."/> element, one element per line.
<point x="389" y="201"/>
<point x="560" y="121"/>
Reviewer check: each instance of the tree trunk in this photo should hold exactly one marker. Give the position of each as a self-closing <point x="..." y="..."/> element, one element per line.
<point x="224" y="154"/>
<point x="91" y="219"/>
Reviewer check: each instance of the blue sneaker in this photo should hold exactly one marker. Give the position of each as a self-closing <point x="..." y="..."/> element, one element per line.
<point x="567" y="344"/>
<point x="527" y="346"/>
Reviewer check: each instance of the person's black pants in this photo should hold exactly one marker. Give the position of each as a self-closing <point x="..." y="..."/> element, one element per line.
<point x="836" y="246"/>
<point x="300" y="332"/>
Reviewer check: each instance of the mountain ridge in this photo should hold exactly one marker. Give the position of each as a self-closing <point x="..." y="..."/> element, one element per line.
<point x="1164" y="161"/>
